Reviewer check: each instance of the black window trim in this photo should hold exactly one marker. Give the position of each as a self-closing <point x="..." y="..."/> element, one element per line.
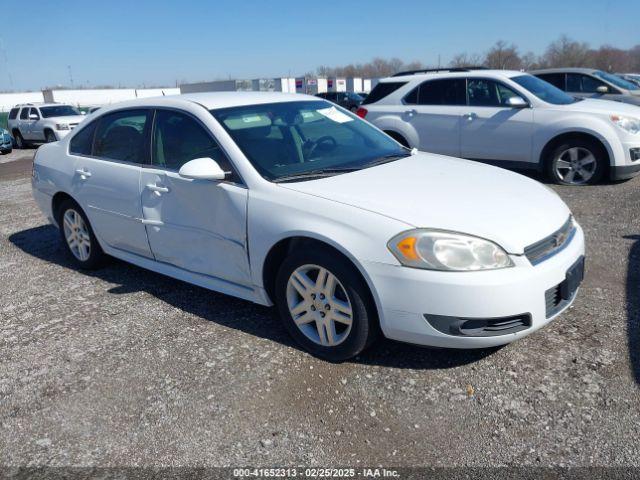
<point x="404" y="102"/>
<point x="466" y="92"/>
<point x="149" y="165"/>
<point x="93" y="140"/>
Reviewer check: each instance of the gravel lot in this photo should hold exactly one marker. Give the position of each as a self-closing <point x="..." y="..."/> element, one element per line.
<point x="125" y="367"/>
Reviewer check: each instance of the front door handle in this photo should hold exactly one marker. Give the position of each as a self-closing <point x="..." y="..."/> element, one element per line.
<point x="84" y="174"/>
<point x="411" y="113"/>
<point x="470" y="116"/>
<point x="157" y="189"/>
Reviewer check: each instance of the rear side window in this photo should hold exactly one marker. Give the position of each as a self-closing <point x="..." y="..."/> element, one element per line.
<point x="13" y="113"/>
<point x="121" y="136"/>
<point x="439" y="92"/>
<point x="382" y="90"/>
<point x="555" y="79"/>
<point x="24" y="114"/>
<point x="82" y="142"/>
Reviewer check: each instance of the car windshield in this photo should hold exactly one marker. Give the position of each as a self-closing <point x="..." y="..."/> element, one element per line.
<point x="58" y="111"/>
<point x="616" y="80"/>
<point x="543" y="90"/>
<point x="290" y="141"/>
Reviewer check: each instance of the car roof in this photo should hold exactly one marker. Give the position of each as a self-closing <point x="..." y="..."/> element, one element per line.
<point x="453" y="74"/>
<point x="565" y="70"/>
<point x="214" y="100"/>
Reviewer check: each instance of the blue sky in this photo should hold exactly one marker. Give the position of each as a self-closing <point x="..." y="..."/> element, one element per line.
<point x="141" y="42"/>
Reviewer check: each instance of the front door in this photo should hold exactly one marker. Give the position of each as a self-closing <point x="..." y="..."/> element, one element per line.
<point x="196" y="225"/>
<point x="490" y="128"/>
<point x="107" y="177"/>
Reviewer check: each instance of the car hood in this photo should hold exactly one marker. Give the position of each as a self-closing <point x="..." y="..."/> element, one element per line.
<point x="606" y="107"/>
<point x="434" y="191"/>
<point x="67" y="119"/>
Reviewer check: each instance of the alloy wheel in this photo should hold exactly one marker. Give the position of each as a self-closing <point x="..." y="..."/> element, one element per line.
<point x="77" y="235"/>
<point x="575" y="165"/>
<point x="319" y="305"/>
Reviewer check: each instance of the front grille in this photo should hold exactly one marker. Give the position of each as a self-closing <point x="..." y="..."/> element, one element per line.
<point x="549" y="246"/>
<point x="479" y="327"/>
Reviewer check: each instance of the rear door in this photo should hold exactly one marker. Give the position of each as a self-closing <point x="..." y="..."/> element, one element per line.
<point x="434" y="109"/>
<point x="109" y="152"/>
<point x="196" y="225"/>
<point x="491" y="129"/>
<point x="23" y="122"/>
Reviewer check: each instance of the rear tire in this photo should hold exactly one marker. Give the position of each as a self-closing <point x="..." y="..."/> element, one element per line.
<point x="577" y="162"/>
<point x="325" y="305"/>
<point x="20" y="143"/>
<point x="77" y="236"/>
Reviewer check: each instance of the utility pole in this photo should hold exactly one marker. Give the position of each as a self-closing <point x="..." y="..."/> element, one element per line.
<point x="70" y="76"/>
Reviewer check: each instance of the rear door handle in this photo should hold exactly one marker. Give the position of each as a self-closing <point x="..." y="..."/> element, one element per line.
<point x="411" y="112"/>
<point x="84" y="174"/>
<point x="158" y="189"/>
<point x="470" y="116"/>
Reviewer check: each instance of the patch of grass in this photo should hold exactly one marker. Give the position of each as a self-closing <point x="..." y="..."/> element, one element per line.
<point x="3" y="119"/>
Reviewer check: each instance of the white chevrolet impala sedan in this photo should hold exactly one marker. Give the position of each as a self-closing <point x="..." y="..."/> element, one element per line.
<point x="290" y="200"/>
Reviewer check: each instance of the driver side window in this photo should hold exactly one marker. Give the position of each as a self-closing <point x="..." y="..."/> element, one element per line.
<point x="178" y="138"/>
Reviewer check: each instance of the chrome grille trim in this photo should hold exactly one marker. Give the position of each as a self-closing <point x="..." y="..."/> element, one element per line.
<point x="549" y="246"/>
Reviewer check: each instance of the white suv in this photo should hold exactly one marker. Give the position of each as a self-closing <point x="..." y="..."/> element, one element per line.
<point x="45" y="122"/>
<point x="511" y="119"/>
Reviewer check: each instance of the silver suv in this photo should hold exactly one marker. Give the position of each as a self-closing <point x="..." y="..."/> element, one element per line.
<point x="45" y="122"/>
<point x="591" y="83"/>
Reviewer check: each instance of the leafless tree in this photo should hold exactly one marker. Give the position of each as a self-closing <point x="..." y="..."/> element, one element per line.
<point x="466" y="60"/>
<point x="565" y="52"/>
<point x="503" y="56"/>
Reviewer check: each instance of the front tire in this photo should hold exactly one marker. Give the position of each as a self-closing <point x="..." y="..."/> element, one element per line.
<point x="50" y="137"/>
<point x="325" y="305"/>
<point x="577" y="162"/>
<point x="77" y="236"/>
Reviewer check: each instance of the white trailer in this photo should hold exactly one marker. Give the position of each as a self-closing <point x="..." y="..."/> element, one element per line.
<point x="354" y="85"/>
<point x="284" y="84"/>
<point x="311" y="86"/>
<point x="337" y="85"/>
<point x="366" y="85"/>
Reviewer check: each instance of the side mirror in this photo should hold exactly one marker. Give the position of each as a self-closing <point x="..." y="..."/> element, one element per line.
<point x="202" y="169"/>
<point x="602" y="89"/>
<point x="33" y="116"/>
<point x="517" y="102"/>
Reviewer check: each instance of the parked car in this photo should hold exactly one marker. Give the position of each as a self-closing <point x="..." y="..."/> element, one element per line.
<point x="630" y="77"/>
<point x="46" y="122"/>
<point x="289" y="200"/>
<point x="509" y="118"/>
<point x="6" y="142"/>
<point x="591" y="83"/>
<point x="349" y="100"/>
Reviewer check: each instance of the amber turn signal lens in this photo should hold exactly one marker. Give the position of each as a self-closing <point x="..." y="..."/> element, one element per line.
<point x="407" y="246"/>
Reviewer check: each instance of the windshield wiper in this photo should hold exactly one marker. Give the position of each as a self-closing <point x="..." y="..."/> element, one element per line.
<point x="387" y="158"/>
<point x="319" y="173"/>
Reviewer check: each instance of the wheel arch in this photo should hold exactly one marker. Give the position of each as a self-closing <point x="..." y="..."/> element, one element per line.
<point x="56" y="202"/>
<point x="279" y="251"/>
<point x="589" y="136"/>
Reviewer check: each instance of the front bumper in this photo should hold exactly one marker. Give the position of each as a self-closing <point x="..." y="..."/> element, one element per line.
<point x="405" y="295"/>
<point x="624" y="172"/>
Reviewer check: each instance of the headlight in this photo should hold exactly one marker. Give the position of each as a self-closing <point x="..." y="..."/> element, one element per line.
<point x="629" y="124"/>
<point x="62" y="126"/>
<point x="441" y="250"/>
